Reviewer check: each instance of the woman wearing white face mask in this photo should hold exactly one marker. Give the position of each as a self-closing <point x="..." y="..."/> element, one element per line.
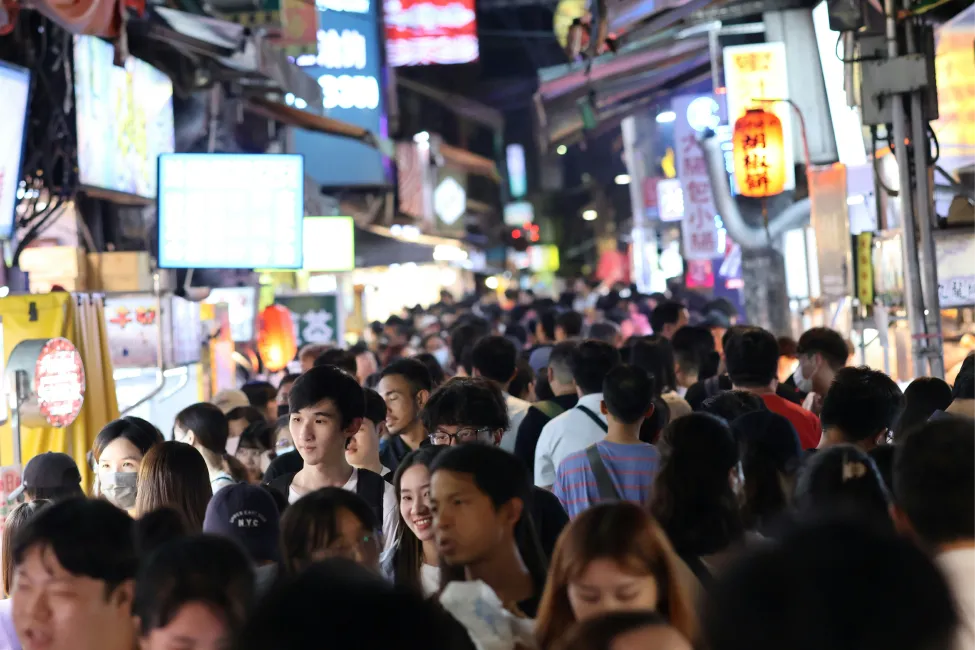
<point x="117" y="455"/>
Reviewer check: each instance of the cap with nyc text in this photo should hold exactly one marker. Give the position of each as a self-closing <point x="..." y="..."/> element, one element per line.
<point x="50" y="471"/>
<point x="249" y="515"/>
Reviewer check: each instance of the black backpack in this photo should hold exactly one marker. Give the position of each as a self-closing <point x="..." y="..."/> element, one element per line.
<point x="370" y="486"/>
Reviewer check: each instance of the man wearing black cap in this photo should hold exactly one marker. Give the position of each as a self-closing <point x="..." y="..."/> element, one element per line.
<point x="52" y="476"/>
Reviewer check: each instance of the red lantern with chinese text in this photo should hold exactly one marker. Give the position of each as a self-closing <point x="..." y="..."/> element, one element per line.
<point x="276" y="337"/>
<point x="759" y="149"/>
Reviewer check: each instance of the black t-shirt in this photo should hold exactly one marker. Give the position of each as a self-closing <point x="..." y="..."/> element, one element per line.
<point x="395" y="450"/>
<point x="287" y="463"/>
<point x="531" y="429"/>
<point x="529" y="607"/>
<point x="549" y="518"/>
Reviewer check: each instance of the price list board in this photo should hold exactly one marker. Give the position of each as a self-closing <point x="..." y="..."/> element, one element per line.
<point x="231" y="211"/>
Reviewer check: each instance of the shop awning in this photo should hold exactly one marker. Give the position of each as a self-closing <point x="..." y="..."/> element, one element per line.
<point x="470" y="162"/>
<point x="302" y="119"/>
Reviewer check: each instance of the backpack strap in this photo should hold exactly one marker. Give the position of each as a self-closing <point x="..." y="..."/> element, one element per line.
<point x="282" y="485"/>
<point x="550" y="409"/>
<point x="372" y="488"/>
<point x="595" y="418"/>
<point x="604" y="483"/>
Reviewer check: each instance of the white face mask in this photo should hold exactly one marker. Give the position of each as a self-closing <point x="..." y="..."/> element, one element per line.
<point x="281" y="451"/>
<point x="232" y="444"/>
<point x="803" y="384"/>
<point x="442" y="356"/>
<point x="119" y="488"/>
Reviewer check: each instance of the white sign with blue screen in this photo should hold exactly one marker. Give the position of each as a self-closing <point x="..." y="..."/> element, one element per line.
<point x="231" y="211"/>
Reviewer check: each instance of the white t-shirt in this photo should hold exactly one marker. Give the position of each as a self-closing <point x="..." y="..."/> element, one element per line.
<point x="220" y="480"/>
<point x="391" y="518"/>
<point x="958" y="567"/>
<point x="430" y="579"/>
<point x="517" y="409"/>
<point x="566" y="434"/>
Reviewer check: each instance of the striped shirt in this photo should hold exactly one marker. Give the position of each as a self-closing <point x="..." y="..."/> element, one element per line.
<point x="632" y="469"/>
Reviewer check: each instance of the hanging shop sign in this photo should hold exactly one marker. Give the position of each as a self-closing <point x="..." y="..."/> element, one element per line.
<point x="15" y="90"/>
<point x="830" y="221"/>
<point x="956" y="280"/>
<point x="241" y="310"/>
<point x="316" y="318"/>
<point x="699" y="228"/>
<point x="329" y="244"/>
<point x="134" y="323"/>
<point x="754" y="72"/>
<point x="759" y="154"/>
<point x="669" y="199"/>
<point x="424" y="32"/>
<point x="48" y="376"/>
<point x="299" y="30"/>
<point x="348" y="68"/>
<point x="449" y="199"/>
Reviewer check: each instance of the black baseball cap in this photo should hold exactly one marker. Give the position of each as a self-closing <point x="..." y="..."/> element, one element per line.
<point x="49" y="471"/>
<point x="249" y="515"/>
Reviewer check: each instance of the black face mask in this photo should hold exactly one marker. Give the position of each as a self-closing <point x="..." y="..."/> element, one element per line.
<point x="283" y="410"/>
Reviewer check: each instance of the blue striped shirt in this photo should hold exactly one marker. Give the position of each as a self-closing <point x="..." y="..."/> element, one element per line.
<point x="632" y="468"/>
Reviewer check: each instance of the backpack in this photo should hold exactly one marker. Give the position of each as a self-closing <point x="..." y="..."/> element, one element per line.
<point x="370" y="486"/>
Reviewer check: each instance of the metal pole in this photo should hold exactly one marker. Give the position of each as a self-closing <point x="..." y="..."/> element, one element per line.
<point x="929" y="272"/>
<point x="642" y="235"/>
<point x="21" y="393"/>
<point x="913" y="296"/>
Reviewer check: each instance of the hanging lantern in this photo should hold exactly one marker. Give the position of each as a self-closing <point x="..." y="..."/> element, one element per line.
<point x="759" y="149"/>
<point x="276" y="342"/>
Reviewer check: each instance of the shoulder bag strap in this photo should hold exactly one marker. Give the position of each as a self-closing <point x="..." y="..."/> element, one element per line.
<point x="604" y="483"/>
<point x="595" y="418"/>
<point x="549" y="409"/>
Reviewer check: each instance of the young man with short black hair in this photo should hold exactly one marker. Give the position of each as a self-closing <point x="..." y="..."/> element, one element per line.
<point x="568" y="326"/>
<point x="342" y="359"/>
<point x="583" y="425"/>
<point x="565" y="396"/>
<point x="264" y="397"/>
<point x="934" y="501"/>
<point x="405" y="386"/>
<point x="752" y="358"/>
<point x="479" y="496"/>
<point x="496" y="359"/>
<point x="621" y="467"/>
<point x="74" y="578"/>
<point x="472" y="410"/>
<point x="860" y="408"/>
<point x="327" y="407"/>
<point x="363" y="449"/>
<point x="668" y="317"/>
<point x="822" y="352"/>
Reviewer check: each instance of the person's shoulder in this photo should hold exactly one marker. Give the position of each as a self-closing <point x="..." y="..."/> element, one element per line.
<point x="574" y="461"/>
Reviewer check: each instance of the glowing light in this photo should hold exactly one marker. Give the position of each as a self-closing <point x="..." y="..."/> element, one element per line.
<point x="666" y="117"/>
<point x="590" y="215"/>
<point x="491" y="283"/>
<point x="561" y="150"/>
<point x="622" y="179"/>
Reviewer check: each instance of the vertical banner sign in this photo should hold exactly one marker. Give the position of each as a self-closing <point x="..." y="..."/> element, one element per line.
<point x="699" y="230"/>
<point x="517" y="172"/>
<point x="754" y="72"/>
<point x="865" y="268"/>
<point x="316" y="317"/>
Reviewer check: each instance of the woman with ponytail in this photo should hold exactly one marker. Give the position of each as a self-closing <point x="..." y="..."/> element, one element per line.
<point x="205" y="427"/>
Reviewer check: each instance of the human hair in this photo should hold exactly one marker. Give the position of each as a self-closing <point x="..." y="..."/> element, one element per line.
<point x="656" y="356"/>
<point x="89" y="537"/>
<point x="590" y="362"/>
<point x="312" y="351"/>
<point x="311" y="524"/>
<point x="752" y="357"/>
<point x="547" y="319"/>
<point x="571" y="323"/>
<point x="249" y="413"/>
<point x="628" y="393"/>
<point x="341" y="359"/>
<point x="202" y="569"/>
<point x="666" y="313"/>
<point x="329" y="383"/>
<point x="834" y="584"/>
<point x="523" y="379"/>
<point x="626" y="534"/>
<point x="843" y="479"/>
<point x="694" y="350"/>
<point x="139" y="432"/>
<point x="495" y="358"/>
<point x="413" y="371"/>
<point x="347" y="600"/>
<point x="502" y="477"/>
<point x="827" y="342"/>
<point x="964" y="387"/>
<point x="560" y="360"/>
<point x="466" y="401"/>
<point x="462" y="340"/>
<point x="408" y="558"/>
<point x="259" y="393"/>
<point x="934" y="480"/>
<point x="605" y="331"/>
<point x="437" y="374"/>
<point x="692" y="498"/>
<point x="375" y="406"/>
<point x="289" y="378"/>
<point x="883" y="458"/>
<point x="770" y="458"/>
<point x="732" y="404"/>
<point x="156" y="528"/>
<point x="256" y="436"/>
<point x="788" y="347"/>
<point x="601" y="632"/>
<point x="16" y="520"/>
<point x="922" y="398"/>
<point x="861" y="404"/>
<point x="209" y="426"/>
<point x="174" y="475"/>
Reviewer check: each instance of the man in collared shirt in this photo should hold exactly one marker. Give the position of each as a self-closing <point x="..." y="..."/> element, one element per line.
<point x="583" y="425"/>
<point x="565" y="397"/>
<point x="495" y="358"/>
<point x="405" y="386"/>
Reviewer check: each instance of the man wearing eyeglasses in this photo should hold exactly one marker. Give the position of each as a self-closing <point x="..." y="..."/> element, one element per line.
<point x="473" y="411"/>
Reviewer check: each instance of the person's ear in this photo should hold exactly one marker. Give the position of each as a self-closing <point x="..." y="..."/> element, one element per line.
<point x="421" y="398"/>
<point x="511" y="512"/>
<point x="650" y="411"/>
<point x="190" y="438"/>
<point x="550" y="374"/>
<point x="602" y="407"/>
<point x="124" y="596"/>
<point x="497" y="435"/>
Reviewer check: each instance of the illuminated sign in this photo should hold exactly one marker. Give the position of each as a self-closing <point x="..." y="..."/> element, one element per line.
<point x="670" y="199"/>
<point x="423" y="32"/>
<point x="347" y="67"/>
<point x="699" y="229"/>
<point x="517" y="174"/>
<point x="702" y="113"/>
<point x="449" y="200"/>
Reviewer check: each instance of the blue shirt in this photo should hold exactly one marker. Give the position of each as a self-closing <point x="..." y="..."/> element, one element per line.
<point x="632" y="468"/>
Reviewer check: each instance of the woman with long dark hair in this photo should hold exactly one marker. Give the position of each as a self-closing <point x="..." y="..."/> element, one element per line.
<point x="174" y="475"/>
<point x="117" y="455"/>
<point x="205" y="427"/>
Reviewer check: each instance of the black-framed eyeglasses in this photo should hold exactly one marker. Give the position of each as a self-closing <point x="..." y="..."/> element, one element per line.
<point x="462" y="436"/>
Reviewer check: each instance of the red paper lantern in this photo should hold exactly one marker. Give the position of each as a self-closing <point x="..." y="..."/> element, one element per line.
<point x="276" y="341"/>
<point x="759" y="149"/>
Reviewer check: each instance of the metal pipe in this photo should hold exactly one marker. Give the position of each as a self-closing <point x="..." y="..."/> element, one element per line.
<point x="745" y="235"/>
<point x="929" y="271"/>
<point x="914" y="298"/>
<point x="160" y="360"/>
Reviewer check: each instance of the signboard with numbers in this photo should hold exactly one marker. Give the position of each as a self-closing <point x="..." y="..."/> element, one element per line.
<point x="699" y="229"/>
<point x="317" y="318"/>
<point x="956" y="279"/>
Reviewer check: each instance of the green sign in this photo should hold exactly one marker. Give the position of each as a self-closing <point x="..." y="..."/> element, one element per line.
<point x="317" y="317"/>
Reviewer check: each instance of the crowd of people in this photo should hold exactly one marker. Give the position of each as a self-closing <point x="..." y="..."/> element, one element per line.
<point x="525" y="477"/>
